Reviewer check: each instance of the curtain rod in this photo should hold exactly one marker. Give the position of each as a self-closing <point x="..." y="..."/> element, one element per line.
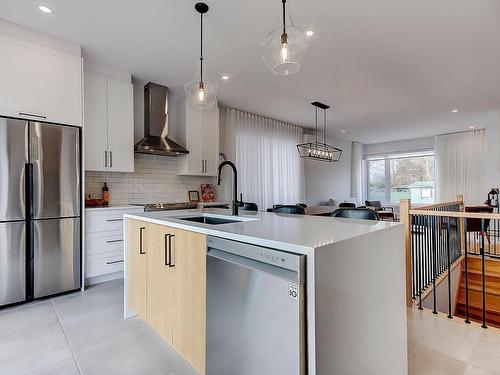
<point x="462" y="131"/>
<point x="266" y="117"/>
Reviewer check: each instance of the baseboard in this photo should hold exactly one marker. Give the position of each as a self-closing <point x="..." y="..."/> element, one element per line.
<point x="103" y="278"/>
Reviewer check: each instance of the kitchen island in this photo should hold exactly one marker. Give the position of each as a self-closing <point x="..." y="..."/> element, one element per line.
<point x="355" y="314"/>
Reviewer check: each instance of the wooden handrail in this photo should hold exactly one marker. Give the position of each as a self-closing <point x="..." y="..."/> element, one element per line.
<point x="465" y="215"/>
<point x="440" y="205"/>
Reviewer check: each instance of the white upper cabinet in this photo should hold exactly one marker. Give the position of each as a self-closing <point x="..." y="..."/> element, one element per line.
<point x="202" y="142"/>
<point x="120" y="126"/>
<point x="109" y="124"/>
<point x="39" y="83"/>
<point x="96" y="128"/>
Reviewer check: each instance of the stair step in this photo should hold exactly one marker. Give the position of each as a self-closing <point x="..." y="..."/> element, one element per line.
<point x="475" y="314"/>
<point x="476" y="299"/>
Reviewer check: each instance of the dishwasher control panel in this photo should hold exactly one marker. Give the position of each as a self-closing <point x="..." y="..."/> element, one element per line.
<point x="268" y="257"/>
<point x="279" y="258"/>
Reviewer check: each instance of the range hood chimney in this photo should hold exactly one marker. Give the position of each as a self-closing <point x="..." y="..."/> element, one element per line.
<point x="156" y="140"/>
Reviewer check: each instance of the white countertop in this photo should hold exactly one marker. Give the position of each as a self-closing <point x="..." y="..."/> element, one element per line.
<point x="115" y="207"/>
<point x="299" y="233"/>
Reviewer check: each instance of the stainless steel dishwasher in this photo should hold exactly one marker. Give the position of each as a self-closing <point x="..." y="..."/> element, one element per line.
<point x="255" y="310"/>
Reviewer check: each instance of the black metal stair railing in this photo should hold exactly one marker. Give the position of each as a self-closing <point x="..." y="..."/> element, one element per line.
<point x="435" y="246"/>
<point x="438" y="240"/>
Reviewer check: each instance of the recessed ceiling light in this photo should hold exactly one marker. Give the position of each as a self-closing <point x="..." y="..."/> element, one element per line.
<point x="374" y="141"/>
<point x="225" y="77"/>
<point x="342" y="131"/>
<point x="45" y="9"/>
<point x="309" y="33"/>
<point x="454" y="110"/>
<point x="472" y="127"/>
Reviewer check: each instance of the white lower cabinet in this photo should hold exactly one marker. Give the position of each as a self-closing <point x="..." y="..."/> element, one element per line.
<point x="104" y="257"/>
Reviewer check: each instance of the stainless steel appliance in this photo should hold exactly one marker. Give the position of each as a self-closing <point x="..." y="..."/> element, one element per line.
<point x="156" y="140"/>
<point x="40" y="209"/>
<point x="255" y="310"/>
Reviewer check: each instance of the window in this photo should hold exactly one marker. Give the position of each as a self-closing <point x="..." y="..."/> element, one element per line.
<point x="395" y="177"/>
<point x="376" y="180"/>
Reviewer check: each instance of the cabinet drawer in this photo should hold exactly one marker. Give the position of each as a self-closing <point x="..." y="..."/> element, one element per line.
<point x="103" y="242"/>
<point x="108" y="222"/>
<point x="101" y="264"/>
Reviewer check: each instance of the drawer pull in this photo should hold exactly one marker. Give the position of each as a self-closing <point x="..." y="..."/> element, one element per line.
<point x="115" y="220"/>
<point x="112" y="241"/>
<point x="115" y="262"/>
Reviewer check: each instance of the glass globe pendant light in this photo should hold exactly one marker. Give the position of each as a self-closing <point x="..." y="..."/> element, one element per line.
<point x="284" y="48"/>
<point x="201" y="93"/>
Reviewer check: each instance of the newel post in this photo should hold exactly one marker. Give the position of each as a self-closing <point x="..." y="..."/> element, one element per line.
<point x="404" y="213"/>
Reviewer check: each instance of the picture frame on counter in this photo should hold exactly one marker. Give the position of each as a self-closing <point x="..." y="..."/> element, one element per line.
<point x="194" y="196"/>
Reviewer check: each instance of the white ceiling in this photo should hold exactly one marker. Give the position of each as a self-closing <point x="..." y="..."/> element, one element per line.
<point x="390" y="69"/>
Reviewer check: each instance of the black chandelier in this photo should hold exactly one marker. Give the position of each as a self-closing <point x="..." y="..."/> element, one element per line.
<point x="319" y="150"/>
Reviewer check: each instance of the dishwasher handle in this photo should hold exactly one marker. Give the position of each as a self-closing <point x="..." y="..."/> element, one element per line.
<point x="283" y="273"/>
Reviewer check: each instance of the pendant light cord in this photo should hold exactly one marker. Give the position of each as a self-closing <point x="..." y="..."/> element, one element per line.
<point x="284" y="2"/>
<point x="316" y="125"/>
<point x="201" y="47"/>
<point x="324" y="126"/>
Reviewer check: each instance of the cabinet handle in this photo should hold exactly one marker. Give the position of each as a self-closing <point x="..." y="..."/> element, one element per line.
<point x="205" y="162"/>
<point x="171" y="258"/>
<point x="115" y="261"/>
<point x="32" y="115"/>
<point x="111" y="159"/>
<point x="167" y="256"/>
<point x="202" y="165"/>
<point x="141" y="239"/>
<point x="112" y="241"/>
<point x="114" y="220"/>
<point x="105" y="159"/>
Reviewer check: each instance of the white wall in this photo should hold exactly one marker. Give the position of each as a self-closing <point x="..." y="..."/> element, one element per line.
<point x="493" y="155"/>
<point x="329" y="180"/>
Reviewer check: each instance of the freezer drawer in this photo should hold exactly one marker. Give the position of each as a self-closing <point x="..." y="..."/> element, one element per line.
<point x="12" y="262"/>
<point x="13" y="157"/>
<point x="55" y="155"/>
<point x="56" y="245"/>
<point x="255" y="319"/>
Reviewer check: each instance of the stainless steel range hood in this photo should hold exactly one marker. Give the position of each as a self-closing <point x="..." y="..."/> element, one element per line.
<point x="156" y="140"/>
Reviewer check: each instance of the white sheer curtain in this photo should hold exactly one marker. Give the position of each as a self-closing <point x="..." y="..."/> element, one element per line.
<point x="460" y="166"/>
<point x="269" y="166"/>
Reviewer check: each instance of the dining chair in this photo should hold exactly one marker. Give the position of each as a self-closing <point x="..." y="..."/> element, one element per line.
<point x="289" y="209"/>
<point x="356" y="213"/>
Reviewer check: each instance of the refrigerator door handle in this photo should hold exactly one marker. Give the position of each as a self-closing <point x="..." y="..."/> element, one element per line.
<point x="28" y="190"/>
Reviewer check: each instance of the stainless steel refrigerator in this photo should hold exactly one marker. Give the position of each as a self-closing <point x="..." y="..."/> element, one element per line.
<point x="40" y="207"/>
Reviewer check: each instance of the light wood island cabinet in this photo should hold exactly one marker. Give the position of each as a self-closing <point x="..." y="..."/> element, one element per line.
<point x="166" y="285"/>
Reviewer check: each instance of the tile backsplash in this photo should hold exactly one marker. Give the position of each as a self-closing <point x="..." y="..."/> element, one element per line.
<point x="155" y="179"/>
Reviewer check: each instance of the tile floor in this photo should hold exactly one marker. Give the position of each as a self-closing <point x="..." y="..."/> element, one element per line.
<point x="84" y="333"/>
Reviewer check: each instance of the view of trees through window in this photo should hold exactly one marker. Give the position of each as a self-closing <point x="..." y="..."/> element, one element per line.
<point x="393" y="178"/>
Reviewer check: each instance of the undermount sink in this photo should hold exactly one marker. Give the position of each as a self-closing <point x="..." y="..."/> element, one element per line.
<point x="209" y="220"/>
